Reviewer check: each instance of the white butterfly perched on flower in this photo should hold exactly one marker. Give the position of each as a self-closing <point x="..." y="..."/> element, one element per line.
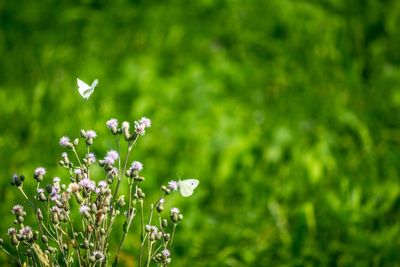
<point x="187" y="186"/>
<point x="84" y="89"/>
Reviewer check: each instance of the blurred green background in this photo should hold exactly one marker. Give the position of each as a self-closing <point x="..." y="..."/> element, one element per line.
<point x="287" y="112"/>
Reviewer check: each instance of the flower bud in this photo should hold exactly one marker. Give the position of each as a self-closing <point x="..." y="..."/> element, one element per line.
<point x="121" y="201"/>
<point x="54" y="218"/>
<point x="76" y="141"/>
<point x="160" y="207"/>
<point x="140" y="193"/>
<point x="159" y="235"/>
<point x="39" y="215"/>
<point x="45" y="239"/>
<point x="20" y="219"/>
<point x="14" y="240"/>
<point x="35" y="235"/>
<point x="167" y="237"/>
<point x="139" y="178"/>
<point x="147" y="228"/>
<point x="93" y="208"/>
<point x="164" y="223"/>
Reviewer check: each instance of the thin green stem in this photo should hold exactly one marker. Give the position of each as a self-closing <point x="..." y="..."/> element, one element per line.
<point x="8" y="253"/>
<point x="149" y="253"/>
<point x="77" y="157"/>
<point x="131" y="215"/>
<point x="172" y="236"/>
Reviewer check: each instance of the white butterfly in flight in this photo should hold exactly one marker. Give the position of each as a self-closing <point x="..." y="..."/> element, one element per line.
<point x="84" y="89"/>
<point x="187" y="186"/>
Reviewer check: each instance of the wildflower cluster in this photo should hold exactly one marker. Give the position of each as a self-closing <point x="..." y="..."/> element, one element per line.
<point x="65" y="237"/>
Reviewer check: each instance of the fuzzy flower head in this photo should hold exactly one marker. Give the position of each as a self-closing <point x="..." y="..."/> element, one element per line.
<point x="78" y="171"/>
<point x="88" y="184"/>
<point x="112" y="123"/>
<point x="83" y="209"/>
<point x="173" y="185"/>
<point x="140" y="128"/>
<point x="12" y="231"/>
<point x="91" y="134"/>
<point x="90" y="158"/>
<point x="102" y="184"/>
<point x="137" y="166"/>
<point x="111" y="157"/>
<point x="18" y="210"/>
<point x="73" y="188"/>
<point x="166" y="253"/>
<point x="125" y="126"/>
<point x="66" y="142"/>
<point x="146" y="122"/>
<point x="101" y="187"/>
<point x="26" y="231"/>
<point x="98" y="255"/>
<point x="40" y="190"/>
<point x="56" y="180"/>
<point x="54" y="194"/>
<point x="39" y="173"/>
<point x="55" y="209"/>
<point x="175" y="210"/>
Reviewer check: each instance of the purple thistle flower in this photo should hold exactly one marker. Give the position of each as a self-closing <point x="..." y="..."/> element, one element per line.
<point x="12" y="231"/>
<point x="56" y="180"/>
<point x="140" y="128"/>
<point x="166" y="253"/>
<point x="83" y="209"/>
<point x="55" y="209"/>
<point x="17" y="210"/>
<point x="54" y="193"/>
<point x="175" y="210"/>
<point x="40" y="171"/>
<point x="173" y="185"/>
<point x="26" y="231"/>
<point x="87" y="184"/>
<point x="125" y="125"/>
<point x="111" y="157"/>
<point x="102" y="184"/>
<point x="65" y="141"/>
<point x="91" y="134"/>
<point x="136" y="166"/>
<point x="91" y="157"/>
<point x="112" y="123"/>
<point x="55" y="197"/>
<point x="145" y="121"/>
<point x="40" y="190"/>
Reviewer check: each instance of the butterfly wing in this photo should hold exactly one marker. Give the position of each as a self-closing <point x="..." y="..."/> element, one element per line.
<point x="187" y="186"/>
<point x="85" y="90"/>
<point x="94" y="83"/>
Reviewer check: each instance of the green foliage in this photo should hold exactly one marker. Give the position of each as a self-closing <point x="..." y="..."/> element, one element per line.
<point x="287" y="112"/>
